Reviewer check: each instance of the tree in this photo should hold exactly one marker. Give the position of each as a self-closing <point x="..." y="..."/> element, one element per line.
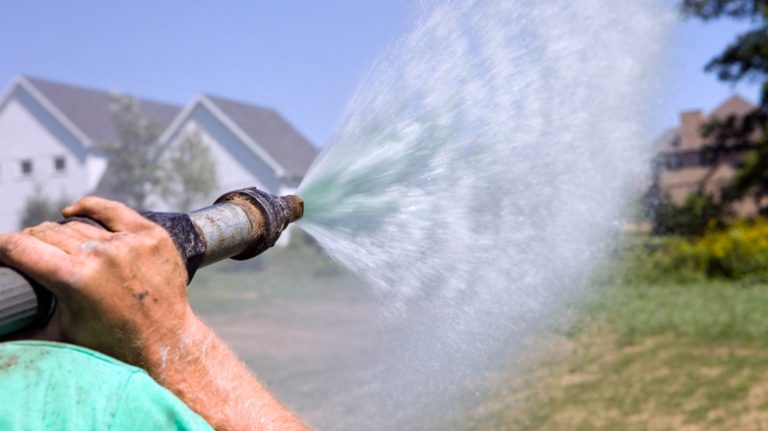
<point x="746" y="58"/>
<point x="39" y="208"/>
<point x="191" y="172"/>
<point x="697" y="215"/>
<point x="134" y="172"/>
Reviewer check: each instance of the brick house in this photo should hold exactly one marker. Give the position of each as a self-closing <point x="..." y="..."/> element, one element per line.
<point x="685" y="165"/>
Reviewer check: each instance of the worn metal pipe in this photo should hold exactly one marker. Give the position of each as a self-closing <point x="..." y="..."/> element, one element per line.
<point x="240" y="225"/>
<point x="224" y="225"/>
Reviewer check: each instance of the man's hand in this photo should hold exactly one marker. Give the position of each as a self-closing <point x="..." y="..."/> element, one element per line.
<point x="122" y="291"/>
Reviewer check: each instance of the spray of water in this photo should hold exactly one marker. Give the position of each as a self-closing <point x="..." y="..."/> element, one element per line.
<point x="479" y="174"/>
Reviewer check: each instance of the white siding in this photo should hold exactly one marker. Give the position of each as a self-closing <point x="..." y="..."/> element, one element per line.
<point x="29" y="132"/>
<point x="237" y="166"/>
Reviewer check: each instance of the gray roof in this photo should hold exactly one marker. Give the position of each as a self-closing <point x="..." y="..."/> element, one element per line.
<point x="272" y="132"/>
<point x="90" y="111"/>
<point x="734" y="105"/>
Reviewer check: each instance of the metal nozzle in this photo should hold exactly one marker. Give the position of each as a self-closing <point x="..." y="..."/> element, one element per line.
<point x="296" y="206"/>
<point x="241" y="224"/>
<point x="269" y="216"/>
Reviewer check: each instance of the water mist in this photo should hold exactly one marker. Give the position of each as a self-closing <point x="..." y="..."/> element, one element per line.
<point x="476" y="178"/>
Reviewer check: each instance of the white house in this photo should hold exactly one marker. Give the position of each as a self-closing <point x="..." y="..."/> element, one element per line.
<point x="50" y="134"/>
<point x="250" y="145"/>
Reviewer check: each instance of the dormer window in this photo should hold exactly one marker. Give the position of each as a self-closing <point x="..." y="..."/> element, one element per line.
<point x="26" y="167"/>
<point x="60" y="164"/>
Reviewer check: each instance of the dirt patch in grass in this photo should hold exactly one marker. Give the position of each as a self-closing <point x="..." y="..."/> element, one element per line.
<point x="660" y="383"/>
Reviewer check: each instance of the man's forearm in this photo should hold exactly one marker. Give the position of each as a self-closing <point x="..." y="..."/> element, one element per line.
<point x="122" y="291"/>
<point x="203" y="372"/>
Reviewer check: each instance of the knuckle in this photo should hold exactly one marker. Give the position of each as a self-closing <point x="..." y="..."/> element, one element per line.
<point x="148" y="240"/>
<point x="92" y="247"/>
<point x="32" y="230"/>
<point x="117" y="245"/>
<point x="89" y="200"/>
<point x="138" y="221"/>
<point x="118" y="207"/>
<point x="111" y="255"/>
<point x="150" y="234"/>
<point x="158" y="234"/>
<point x="43" y="229"/>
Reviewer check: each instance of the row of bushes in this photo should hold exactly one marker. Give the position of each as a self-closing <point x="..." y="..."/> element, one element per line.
<point x="739" y="251"/>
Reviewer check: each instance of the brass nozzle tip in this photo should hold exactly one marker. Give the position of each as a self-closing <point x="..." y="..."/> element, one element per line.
<point x="296" y="204"/>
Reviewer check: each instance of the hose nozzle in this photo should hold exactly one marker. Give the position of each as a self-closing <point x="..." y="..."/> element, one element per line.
<point x="295" y="205"/>
<point x="269" y="216"/>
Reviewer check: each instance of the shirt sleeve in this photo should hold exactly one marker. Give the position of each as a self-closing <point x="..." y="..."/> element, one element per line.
<point x="147" y="405"/>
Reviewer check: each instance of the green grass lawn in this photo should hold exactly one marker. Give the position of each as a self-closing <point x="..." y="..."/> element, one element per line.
<point x="650" y="357"/>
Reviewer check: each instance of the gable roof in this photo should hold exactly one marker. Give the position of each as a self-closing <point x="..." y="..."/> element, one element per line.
<point x="89" y="110"/>
<point x="87" y="114"/>
<point x="269" y="130"/>
<point x="262" y="130"/>
<point x="734" y="105"/>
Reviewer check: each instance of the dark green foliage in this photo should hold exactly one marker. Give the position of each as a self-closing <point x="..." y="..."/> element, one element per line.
<point x="698" y="214"/>
<point x="752" y="177"/>
<point x="746" y="58"/>
<point x="713" y="9"/>
<point x="40" y="208"/>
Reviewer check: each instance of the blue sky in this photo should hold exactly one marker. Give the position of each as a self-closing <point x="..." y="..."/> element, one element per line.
<point x="686" y="85"/>
<point x="303" y="58"/>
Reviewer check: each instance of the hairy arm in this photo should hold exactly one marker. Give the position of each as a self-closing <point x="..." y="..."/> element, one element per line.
<point x="122" y="291"/>
<point x="203" y="372"/>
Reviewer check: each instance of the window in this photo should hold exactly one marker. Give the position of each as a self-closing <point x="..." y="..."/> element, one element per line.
<point x="60" y="164"/>
<point x="26" y="167"/>
<point x="708" y="157"/>
<point x="690" y="159"/>
<point x="674" y="162"/>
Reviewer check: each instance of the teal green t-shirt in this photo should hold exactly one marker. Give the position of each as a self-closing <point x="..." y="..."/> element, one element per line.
<point x="56" y="386"/>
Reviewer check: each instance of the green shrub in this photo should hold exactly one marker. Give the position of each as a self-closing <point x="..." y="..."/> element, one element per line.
<point x="739" y="252"/>
<point x="699" y="214"/>
<point x="651" y="259"/>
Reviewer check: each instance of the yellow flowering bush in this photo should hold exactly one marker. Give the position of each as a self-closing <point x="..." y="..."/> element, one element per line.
<point x="737" y="252"/>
